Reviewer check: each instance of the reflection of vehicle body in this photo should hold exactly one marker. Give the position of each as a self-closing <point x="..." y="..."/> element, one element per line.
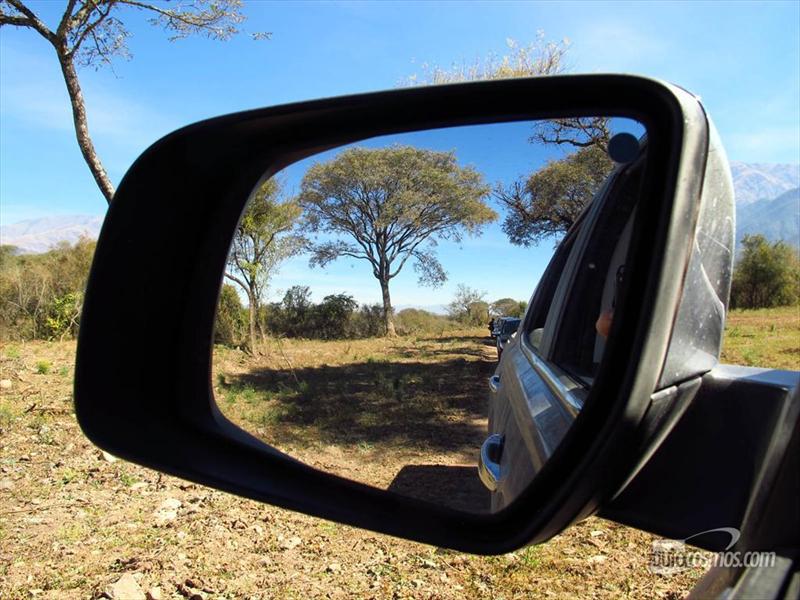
<point x="535" y="398"/>
<point x="507" y="330"/>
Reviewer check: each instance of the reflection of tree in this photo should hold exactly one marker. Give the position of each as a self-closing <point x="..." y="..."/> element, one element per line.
<point x="578" y="132"/>
<point x="390" y="206"/>
<point x="261" y="243"/>
<point x="547" y="203"/>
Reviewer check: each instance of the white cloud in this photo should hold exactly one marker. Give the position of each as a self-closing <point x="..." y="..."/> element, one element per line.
<point x="616" y="46"/>
<point x="120" y="123"/>
<point x="773" y="144"/>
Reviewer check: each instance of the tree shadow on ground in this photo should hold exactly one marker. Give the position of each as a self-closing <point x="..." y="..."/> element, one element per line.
<point x="484" y="340"/>
<point x="454" y="486"/>
<point x="449" y="350"/>
<point x="440" y="406"/>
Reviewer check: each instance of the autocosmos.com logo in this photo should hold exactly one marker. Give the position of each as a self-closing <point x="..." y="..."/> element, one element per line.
<point x="668" y="557"/>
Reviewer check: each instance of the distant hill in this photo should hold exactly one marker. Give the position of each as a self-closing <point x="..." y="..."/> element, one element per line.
<point x="39" y="235"/>
<point x="758" y="181"/>
<point x="437" y="309"/>
<point x="776" y="219"/>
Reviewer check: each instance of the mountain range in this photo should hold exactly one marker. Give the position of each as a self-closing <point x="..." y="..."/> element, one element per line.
<point x="758" y="181"/>
<point x="767" y="202"/>
<point x="39" y="235"/>
<point x="776" y="219"/>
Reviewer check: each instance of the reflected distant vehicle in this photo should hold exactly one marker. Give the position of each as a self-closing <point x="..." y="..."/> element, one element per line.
<point x="494" y="323"/>
<point x="497" y="325"/>
<point x="506" y="332"/>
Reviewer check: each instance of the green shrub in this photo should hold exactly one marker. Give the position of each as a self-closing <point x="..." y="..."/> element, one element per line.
<point x="766" y="274"/>
<point x="414" y="321"/>
<point x="230" y="327"/>
<point x="41" y="295"/>
<point x="338" y="316"/>
<point x="64" y="314"/>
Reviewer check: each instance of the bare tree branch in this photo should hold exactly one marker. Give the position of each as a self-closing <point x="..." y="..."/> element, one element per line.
<point x="66" y="18"/>
<point x="196" y="20"/>
<point x="89" y="30"/>
<point x="235" y="279"/>
<point x="15" y="21"/>
<point x="33" y="20"/>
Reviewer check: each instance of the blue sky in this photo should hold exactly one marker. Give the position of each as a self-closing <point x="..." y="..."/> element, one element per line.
<point x="742" y="58"/>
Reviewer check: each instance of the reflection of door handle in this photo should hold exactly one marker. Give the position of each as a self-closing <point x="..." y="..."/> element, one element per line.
<point x="489" y="462"/>
<point x="494" y="383"/>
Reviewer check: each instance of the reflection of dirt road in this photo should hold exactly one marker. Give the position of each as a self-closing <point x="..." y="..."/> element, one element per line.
<point x="371" y="409"/>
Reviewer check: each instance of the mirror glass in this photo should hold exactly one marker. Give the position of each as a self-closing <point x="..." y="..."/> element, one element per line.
<point x="425" y="312"/>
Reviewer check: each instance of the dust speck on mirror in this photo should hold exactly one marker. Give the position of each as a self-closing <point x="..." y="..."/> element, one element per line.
<point x="392" y="310"/>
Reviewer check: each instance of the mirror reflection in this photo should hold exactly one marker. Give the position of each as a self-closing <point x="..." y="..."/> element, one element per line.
<point x="426" y="312"/>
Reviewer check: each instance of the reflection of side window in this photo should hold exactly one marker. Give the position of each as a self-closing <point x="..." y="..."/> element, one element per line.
<point x="540" y="324"/>
<point x="580" y="342"/>
<point x="543" y="297"/>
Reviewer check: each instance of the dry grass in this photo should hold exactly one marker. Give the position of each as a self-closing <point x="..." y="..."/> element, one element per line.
<point x="763" y="338"/>
<point x="72" y="521"/>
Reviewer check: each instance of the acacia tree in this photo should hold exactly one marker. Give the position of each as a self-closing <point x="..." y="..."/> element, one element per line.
<point x="388" y="206"/>
<point x="508" y="307"/>
<point x="262" y="241"/>
<point x="90" y="33"/>
<point x="536" y="59"/>
<point x="539" y="57"/>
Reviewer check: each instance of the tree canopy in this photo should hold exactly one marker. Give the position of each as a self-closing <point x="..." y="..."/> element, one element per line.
<point x="766" y="274"/>
<point x="389" y="206"/>
<point x="548" y="202"/>
<point x="468" y="306"/>
<point x="507" y="307"/>
<point x="539" y="57"/>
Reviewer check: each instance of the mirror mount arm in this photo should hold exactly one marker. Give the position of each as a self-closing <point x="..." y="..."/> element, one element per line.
<point x="740" y="433"/>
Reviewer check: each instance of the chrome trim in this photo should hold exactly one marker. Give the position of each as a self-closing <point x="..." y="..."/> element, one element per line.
<point x="562" y="385"/>
<point x="488" y="469"/>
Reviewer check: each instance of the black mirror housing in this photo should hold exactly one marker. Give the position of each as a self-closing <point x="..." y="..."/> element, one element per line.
<point x="169" y="228"/>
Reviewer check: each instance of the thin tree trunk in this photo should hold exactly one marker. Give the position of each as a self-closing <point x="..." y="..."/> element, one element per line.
<point x="388" y="317"/>
<point x="253" y="312"/>
<point x="82" y="126"/>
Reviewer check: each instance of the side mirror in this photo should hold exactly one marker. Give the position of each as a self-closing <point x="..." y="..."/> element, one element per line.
<point x="665" y="214"/>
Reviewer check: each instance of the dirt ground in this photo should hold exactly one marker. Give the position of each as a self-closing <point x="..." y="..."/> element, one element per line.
<point x="76" y="523"/>
<point x="407" y="414"/>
